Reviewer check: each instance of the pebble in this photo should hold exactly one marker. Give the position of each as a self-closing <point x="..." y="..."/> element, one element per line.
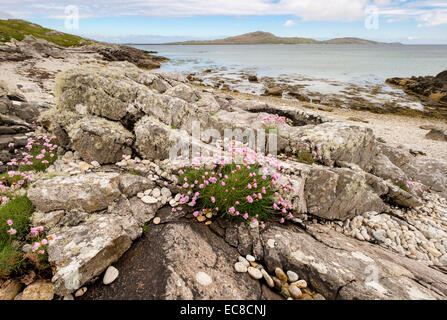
<point x="267" y="278"/>
<point x="84" y="166"/>
<point x="157" y="220"/>
<point x="95" y="164"/>
<point x="110" y="275"/>
<point x="240" y="267"/>
<point x="254" y="273"/>
<point x="68" y="297"/>
<point x="281" y="275"/>
<point x="244" y="261"/>
<point x="301" y="284"/>
<point x="203" y="278"/>
<point x="156" y="193"/>
<point x="250" y="258"/>
<point x="149" y="200"/>
<point x="81" y="292"/>
<point x="295" y="292"/>
<point x="292" y="276"/>
<point x="285" y="292"/>
<point x="201" y="218"/>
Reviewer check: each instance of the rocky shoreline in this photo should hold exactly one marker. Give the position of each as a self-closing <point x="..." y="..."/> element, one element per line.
<point x="367" y="220"/>
<point x="402" y="99"/>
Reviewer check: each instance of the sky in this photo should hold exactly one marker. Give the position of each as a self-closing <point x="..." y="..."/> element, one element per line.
<point x="158" y="21"/>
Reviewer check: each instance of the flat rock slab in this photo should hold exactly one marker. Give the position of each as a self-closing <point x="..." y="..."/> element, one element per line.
<point x="88" y="192"/>
<point x="340" y="267"/>
<point x="178" y="260"/>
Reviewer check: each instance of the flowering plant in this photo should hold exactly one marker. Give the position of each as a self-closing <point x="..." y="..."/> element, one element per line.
<point x="243" y="185"/>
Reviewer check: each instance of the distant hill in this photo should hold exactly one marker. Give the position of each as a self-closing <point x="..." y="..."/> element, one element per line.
<point x="18" y="29"/>
<point x="260" y="37"/>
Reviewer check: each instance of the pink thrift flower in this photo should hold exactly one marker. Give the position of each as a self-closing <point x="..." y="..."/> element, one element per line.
<point x="213" y="200"/>
<point x="249" y="199"/>
<point x="196" y="213"/>
<point x="9" y="222"/>
<point x="12" y="231"/>
<point x="245" y="216"/>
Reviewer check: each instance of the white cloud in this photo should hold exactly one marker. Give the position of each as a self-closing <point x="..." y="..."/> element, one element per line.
<point x="434" y="18"/>
<point x="428" y="12"/>
<point x="289" y="23"/>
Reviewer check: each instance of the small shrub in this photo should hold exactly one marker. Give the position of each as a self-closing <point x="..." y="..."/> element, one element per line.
<point x="409" y="185"/>
<point x="18" y="210"/>
<point x="305" y="157"/>
<point x="10" y="260"/>
<point x="249" y="190"/>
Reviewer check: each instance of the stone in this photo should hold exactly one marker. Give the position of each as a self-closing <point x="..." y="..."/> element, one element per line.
<point x="250" y="258"/>
<point x="157" y="220"/>
<point x="81" y="292"/>
<point x="332" y="261"/>
<point x="110" y="275"/>
<point x="437" y="134"/>
<point x="268" y="278"/>
<point x="88" y="192"/>
<point x="10" y="289"/>
<point x="240" y="267"/>
<point x="84" y="166"/>
<point x="149" y="200"/>
<point x="68" y="297"/>
<point x="255" y="273"/>
<point x="38" y="290"/>
<point x="100" y="140"/>
<point x="292" y="276"/>
<point x="203" y="278"/>
<point x="295" y="292"/>
<point x="87" y="249"/>
<point x="280" y="274"/>
<point x="301" y="284"/>
<point x="243" y="261"/>
<point x="131" y="185"/>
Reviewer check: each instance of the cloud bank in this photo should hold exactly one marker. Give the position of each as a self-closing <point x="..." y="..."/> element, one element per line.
<point x="428" y="13"/>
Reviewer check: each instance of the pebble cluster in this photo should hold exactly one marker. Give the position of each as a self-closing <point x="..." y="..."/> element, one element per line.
<point x="288" y="284"/>
<point x="420" y="233"/>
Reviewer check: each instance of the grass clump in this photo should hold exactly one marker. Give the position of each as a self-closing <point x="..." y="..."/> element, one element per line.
<point x="18" y="29"/>
<point x="18" y="211"/>
<point x="244" y="186"/>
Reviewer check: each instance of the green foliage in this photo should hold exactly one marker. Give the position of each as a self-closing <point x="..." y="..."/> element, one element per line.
<point x="17" y="29"/>
<point x="235" y="192"/>
<point x="19" y="210"/>
<point x="10" y="260"/>
<point x="305" y="157"/>
<point x="38" y="164"/>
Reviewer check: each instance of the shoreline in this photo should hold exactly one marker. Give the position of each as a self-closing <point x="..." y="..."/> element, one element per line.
<point x="113" y="183"/>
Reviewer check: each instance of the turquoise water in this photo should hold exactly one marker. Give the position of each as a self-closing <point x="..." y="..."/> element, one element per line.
<point x="345" y="63"/>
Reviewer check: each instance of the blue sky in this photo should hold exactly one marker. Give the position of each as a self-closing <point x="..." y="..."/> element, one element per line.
<point x="407" y="21"/>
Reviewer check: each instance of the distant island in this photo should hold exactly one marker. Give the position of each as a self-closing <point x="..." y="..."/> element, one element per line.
<point x="260" y="37"/>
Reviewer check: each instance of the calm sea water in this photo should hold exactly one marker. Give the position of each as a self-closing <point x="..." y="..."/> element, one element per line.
<point x="346" y="63"/>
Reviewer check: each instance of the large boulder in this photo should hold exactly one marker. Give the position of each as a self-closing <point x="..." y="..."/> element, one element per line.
<point x="83" y="252"/>
<point x="339" y="193"/>
<point x="160" y="260"/>
<point x="99" y="139"/>
<point x="88" y="192"/>
<point x="437" y="134"/>
<point x="340" y="267"/>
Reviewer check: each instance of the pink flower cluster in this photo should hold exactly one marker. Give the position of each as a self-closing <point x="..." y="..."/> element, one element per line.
<point x="264" y="179"/>
<point x="411" y="184"/>
<point x="273" y="120"/>
<point x="39" y="244"/>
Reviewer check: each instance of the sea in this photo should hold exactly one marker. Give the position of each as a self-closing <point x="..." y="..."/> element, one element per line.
<point x="319" y="68"/>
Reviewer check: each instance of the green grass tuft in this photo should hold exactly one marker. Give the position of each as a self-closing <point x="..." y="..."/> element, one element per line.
<point x="235" y="190"/>
<point x="18" y="29"/>
<point x="19" y="210"/>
